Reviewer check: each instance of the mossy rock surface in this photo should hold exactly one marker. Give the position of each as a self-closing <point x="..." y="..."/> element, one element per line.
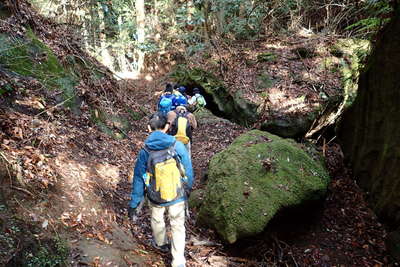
<point x="258" y="175"/>
<point x="232" y="105"/>
<point x="196" y="198"/>
<point x="351" y="53"/>
<point x="289" y="126"/>
<point x="205" y="117"/>
<point x="266" y="57"/>
<point x="114" y="125"/>
<point x="29" y="57"/>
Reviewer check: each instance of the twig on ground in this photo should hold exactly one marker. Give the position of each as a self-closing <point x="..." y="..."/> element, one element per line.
<point x="53" y="107"/>
<point x="22" y="190"/>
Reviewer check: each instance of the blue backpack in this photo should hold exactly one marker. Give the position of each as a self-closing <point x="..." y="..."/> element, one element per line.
<point x="165" y="105"/>
<point x="179" y="100"/>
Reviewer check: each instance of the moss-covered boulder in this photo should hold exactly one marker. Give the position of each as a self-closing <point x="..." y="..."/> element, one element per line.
<point x="258" y="175"/>
<point x="28" y="57"/>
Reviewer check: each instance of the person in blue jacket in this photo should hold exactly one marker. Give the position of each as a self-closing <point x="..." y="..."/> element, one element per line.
<point x="169" y="95"/>
<point x="159" y="140"/>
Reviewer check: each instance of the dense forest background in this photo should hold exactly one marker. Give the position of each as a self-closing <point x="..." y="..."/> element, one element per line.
<point x="131" y="36"/>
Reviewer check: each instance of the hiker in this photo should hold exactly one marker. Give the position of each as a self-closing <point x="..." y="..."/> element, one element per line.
<point x="182" y="123"/>
<point x="182" y="91"/>
<point x="164" y="172"/>
<point x="179" y="98"/>
<point x="165" y="103"/>
<point x="197" y="101"/>
<point x="176" y="87"/>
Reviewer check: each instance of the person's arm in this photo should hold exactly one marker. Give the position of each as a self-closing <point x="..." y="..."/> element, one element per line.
<point x="193" y="121"/>
<point x="137" y="193"/>
<point x="186" y="162"/>
<point x="171" y="116"/>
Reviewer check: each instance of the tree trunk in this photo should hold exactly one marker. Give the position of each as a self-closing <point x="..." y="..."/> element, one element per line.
<point x="106" y="58"/>
<point x="140" y="20"/>
<point x="370" y="129"/>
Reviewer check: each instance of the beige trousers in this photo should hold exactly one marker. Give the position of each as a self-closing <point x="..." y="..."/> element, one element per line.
<point x="176" y="215"/>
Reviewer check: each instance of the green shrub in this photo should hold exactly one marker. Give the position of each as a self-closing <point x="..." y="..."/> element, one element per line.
<point x="54" y="253"/>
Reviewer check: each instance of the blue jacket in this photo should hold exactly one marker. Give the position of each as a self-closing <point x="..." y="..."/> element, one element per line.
<point x="157" y="141"/>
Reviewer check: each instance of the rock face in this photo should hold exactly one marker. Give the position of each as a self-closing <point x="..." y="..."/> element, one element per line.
<point x="393" y="244"/>
<point x="267" y="105"/>
<point x="289" y="126"/>
<point x="253" y="179"/>
<point x="232" y="106"/>
<point x="369" y="130"/>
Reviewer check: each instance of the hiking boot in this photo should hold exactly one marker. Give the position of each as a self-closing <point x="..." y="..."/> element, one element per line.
<point x="164" y="248"/>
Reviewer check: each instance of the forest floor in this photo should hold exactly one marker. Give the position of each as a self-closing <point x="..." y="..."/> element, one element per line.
<point x="73" y="180"/>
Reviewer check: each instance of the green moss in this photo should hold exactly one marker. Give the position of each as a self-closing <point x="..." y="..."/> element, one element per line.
<point x="242" y="194"/>
<point x="266" y="57"/>
<point x="264" y="81"/>
<point x="30" y="57"/>
<point x="112" y="124"/>
<point x="196" y="198"/>
<point x="353" y="53"/>
<point x="136" y="116"/>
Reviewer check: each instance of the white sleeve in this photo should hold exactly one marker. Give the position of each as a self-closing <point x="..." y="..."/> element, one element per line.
<point x="192" y="100"/>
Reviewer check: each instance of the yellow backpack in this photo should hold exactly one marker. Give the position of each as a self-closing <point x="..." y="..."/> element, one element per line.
<point x="181" y="128"/>
<point x="165" y="178"/>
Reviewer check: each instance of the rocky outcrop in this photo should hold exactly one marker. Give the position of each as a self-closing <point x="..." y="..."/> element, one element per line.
<point x="231" y="105"/>
<point x="275" y="110"/>
<point x="369" y="130"/>
<point x="258" y="175"/>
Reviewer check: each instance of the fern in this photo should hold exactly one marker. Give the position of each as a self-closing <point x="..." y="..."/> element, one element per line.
<point x="378" y="11"/>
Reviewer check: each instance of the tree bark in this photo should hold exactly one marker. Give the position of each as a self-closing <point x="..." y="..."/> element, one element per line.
<point x="140" y="21"/>
<point x="370" y="129"/>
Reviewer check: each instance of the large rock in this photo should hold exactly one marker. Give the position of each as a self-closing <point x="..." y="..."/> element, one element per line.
<point x="254" y="178"/>
<point x="369" y="130"/>
<point x="393" y="244"/>
<point x="231" y="105"/>
<point x="289" y="126"/>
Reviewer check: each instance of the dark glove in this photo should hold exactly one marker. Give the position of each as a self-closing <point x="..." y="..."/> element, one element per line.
<point x="131" y="212"/>
<point x="187" y="190"/>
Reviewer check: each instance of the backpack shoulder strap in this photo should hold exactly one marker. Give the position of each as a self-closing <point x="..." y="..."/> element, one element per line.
<point x="149" y="160"/>
<point x="178" y="162"/>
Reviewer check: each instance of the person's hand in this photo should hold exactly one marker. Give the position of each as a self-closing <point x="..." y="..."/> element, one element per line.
<point x="131" y="212"/>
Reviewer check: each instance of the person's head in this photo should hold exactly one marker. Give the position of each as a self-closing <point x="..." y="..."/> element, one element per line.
<point x="181" y="109"/>
<point x="176" y="86"/>
<point x="182" y="89"/>
<point x="196" y="90"/>
<point x="157" y="122"/>
<point x="168" y="88"/>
